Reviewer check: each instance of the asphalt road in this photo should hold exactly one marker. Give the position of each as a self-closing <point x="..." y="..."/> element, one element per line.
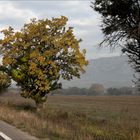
<point x="8" y="132"/>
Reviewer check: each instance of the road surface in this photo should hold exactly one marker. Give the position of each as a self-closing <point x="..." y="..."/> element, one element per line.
<point x="8" y="132"/>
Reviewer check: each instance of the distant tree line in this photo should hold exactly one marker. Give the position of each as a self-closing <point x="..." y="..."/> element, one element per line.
<point x="123" y="91"/>
<point x="97" y="90"/>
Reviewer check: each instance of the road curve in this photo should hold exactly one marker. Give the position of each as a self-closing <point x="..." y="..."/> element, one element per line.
<point x="12" y="133"/>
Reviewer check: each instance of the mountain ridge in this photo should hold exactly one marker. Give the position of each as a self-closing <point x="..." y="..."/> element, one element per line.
<point x="108" y="71"/>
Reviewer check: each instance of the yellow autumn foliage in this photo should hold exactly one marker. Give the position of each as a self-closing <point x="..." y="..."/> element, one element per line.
<point x="41" y="53"/>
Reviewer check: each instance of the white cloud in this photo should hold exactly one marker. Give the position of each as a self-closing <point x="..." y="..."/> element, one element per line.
<point x="84" y="20"/>
<point x="81" y="22"/>
<point x="13" y="15"/>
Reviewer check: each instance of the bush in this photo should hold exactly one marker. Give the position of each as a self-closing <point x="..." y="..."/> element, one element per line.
<point x="5" y="81"/>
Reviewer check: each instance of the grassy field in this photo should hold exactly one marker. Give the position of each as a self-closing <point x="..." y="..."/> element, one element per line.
<point x="75" y="117"/>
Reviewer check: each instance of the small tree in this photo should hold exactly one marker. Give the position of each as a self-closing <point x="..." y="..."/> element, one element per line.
<point x="5" y="81"/>
<point x="41" y="53"/>
<point x="96" y="89"/>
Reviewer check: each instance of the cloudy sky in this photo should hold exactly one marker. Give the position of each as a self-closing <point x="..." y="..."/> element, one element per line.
<point x="85" y="21"/>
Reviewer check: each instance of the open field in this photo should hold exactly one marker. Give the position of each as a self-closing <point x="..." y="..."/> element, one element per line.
<point x="76" y="117"/>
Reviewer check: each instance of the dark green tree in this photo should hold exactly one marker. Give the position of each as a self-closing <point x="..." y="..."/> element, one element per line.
<point x="121" y="27"/>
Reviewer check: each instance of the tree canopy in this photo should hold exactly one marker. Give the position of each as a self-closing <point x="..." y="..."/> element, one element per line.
<point x="41" y="53"/>
<point x="121" y="26"/>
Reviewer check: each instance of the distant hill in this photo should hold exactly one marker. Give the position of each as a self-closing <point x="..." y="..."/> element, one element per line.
<point x="111" y="72"/>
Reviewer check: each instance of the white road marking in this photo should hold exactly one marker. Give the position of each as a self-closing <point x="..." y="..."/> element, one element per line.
<point x="5" y="136"/>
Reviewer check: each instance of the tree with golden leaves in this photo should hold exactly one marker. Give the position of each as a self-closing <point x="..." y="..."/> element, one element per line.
<point x="41" y="53"/>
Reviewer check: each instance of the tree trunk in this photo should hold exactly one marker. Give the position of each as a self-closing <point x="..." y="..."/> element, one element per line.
<point x="39" y="105"/>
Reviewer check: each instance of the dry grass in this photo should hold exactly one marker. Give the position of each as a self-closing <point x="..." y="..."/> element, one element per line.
<point x="75" y="117"/>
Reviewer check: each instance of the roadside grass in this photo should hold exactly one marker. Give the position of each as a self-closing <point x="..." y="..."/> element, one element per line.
<point x="76" y="117"/>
